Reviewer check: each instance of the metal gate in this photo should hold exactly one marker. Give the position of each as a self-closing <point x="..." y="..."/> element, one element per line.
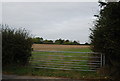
<point x="65" y="60"/>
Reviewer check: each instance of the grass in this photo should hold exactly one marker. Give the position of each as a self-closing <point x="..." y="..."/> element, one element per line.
<point x="63" y="73"/>
<point x="46" y="58"/>
<point x="78" y="49"/>
<point x="44" y="55"/>
<point x="29" y="70"/>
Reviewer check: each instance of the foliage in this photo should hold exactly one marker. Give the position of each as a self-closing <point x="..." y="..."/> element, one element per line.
<point x="87" y="43"/>
<point x="39" y="40"/>
<point x="48" y="42"/>
<point x="16" y="46"/>
<point x="59" y="41"/>
<point x="105" y="37"/>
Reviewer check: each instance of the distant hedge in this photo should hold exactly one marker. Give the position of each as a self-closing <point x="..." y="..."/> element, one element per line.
<point x="16" y="46"/>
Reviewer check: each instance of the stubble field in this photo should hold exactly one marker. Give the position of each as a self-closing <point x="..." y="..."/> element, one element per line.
<point x="51" y="47"/>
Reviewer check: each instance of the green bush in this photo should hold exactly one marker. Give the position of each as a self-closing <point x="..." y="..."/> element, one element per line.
<point x="16" y="46"/>
<point x="105" y="37"/>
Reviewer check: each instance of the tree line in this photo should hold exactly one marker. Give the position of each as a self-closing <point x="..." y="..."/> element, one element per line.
<point x="40" y="40"/>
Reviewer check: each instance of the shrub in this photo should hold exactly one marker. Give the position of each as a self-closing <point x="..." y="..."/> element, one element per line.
<point x="105" y="37"/>
<point x="16" y="46"/>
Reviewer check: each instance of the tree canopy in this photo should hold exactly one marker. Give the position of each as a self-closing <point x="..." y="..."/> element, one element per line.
<point x="105" y="37"/>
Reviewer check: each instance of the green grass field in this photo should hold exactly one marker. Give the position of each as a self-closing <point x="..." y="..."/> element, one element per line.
<point x="78" y="49"/>
<point x="46" y="56"/>
<point x="62" y="60"/>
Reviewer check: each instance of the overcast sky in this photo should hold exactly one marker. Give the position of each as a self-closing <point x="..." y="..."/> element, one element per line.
<point x="52" y="20"/>
<point x="50" y="0"/>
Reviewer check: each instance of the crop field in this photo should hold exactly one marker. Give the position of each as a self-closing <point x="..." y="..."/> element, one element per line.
<point x="51" y="47"/>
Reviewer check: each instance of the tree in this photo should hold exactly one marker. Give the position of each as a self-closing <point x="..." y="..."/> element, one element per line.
<point x="48" y="42"/>
<point x="105" y="37"/>
<point x="76" y="43"/>
<point x="86" y="43"/>
<point x="59" y="41"/>
<point x="66" y="42"/>
<point x="38" y="40"/>
<point x="16" y="46"/>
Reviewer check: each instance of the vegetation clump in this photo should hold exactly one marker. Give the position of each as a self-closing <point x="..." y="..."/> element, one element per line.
<point x="16" y="46"/>
<point x="105" y="37"/>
